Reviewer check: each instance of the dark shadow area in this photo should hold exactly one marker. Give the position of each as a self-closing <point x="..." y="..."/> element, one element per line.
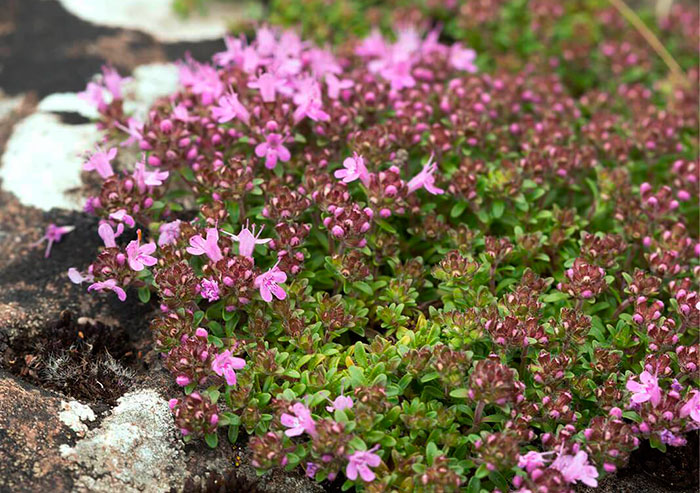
<point x="45" y="49"/>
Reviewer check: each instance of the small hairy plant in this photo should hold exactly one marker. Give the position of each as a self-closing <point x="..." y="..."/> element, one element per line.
<point x="387" y="265"/>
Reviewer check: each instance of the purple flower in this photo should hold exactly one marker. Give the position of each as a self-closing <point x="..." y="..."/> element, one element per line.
<point x="647" y="390"/>
<point x="108" y="235"/>
<point x="272" y="150"/>
<point x="268" y="282"/>
<point x="247" y="239"/>
<point x="100" y="161"/>
<point x="669" y="438"/>
<point x="360" y="462"/>
<point x="462" y="58"/>
<point x="209" y="289"/>
<point x="341" y="402"/>
<point x="576" y="468"/>
<point x="122" y="216"/>
<point x="230" y="108"/>
<point x="224" y="365"/>
<point x="210" y="247"/>
<point x="353" y="168"/>
<point x="425" y="179"/>
<point x="76" y="277"/>
<point x="169" y="232"/>
<point x="692" y="407"/>
<point x="300" y="422"/>
<point x="110" y="284"/>
<point x="53" y="234"/>
<point x="139" y="256"/>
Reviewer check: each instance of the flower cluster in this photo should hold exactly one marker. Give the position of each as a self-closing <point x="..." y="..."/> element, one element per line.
<point x="387" y="266"/>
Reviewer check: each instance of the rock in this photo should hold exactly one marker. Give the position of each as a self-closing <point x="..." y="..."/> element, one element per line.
<point x="73" y="414"/>
<point x="42" y="160"/>
<point x="157" y="17"/>
<point x="30" y="436"/>
<point x="134" y="449"/>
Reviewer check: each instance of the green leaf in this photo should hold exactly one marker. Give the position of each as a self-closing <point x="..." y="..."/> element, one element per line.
<point x="233" y="433"/>
<point x="144" y="294"/>
<point x="212" y="439"/>
<point x="460" y="393"/>
<point x="458" y="209"/>
<point x="497" y="209"/>
<point x="360" y="354"/>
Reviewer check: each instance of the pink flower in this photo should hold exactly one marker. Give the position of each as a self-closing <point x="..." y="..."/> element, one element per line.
<point x="206" y="82"/>
<point x="300" y="422"/>
<point x="373" y="45"/>
<point x="224" y="365"/>
<point x="210" y="247"/>
<point x="273" y="149"/>
<point x="692" y="407"/>
<point x="354" y="168"/>
<point x="113" y="81"/>
<point x="180" y="113"/>
<point x="233" y="53"/>
<point x="110" y="284"/>
<point x="341" y="402"/>
<point x="268" y="84"/>
<point x="268" y="281"/>
<point x="169" y="232"/>
<point x="122" y="216"/>
<point x="209" y="289"/>
<point x="308" y="101"/>
<point x="146" y="179"/>
<point x="576" y="468"/>
<point x="425" y="179"/>
<point x="134" y="129"/>
<point x="108" y="235"/>
<point x="647" y="390"/>
<point x="335" y="85"/>
<point x="100" y="161"/>
<point x="398" y="73"/>
<point x="533" y="460"/>
<point x="139" y="256"/>
<point x="94" y="94"/>
<point x="53" y="234"/>
<point x="247" y="239"/>
<point x="230" y="108"/>
<point x="76" y="277"/>
<point x="462" y="58"/>
<point x="360" y="462"/>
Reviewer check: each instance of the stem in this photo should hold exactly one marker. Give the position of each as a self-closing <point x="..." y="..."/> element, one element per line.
<point x="621" y="308"/>
<point x="631" y="17"/>
<point x="477" y="413"/>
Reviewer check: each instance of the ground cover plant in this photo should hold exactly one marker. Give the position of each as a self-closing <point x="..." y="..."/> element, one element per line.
<point x="403" y="264"/>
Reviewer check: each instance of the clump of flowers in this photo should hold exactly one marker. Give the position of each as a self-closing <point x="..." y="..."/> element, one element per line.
<point x="385" y="265"/>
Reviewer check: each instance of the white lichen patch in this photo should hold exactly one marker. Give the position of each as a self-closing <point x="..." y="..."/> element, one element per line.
<point x="73" y="414"/>
<point x="44" y="156"/>
<point x="134" y="449"/>
<point x="157" y="18"/>
<point x="42" y="160"/>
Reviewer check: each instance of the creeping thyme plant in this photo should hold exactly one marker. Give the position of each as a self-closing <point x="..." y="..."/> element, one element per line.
<point x="403" y="265"/>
